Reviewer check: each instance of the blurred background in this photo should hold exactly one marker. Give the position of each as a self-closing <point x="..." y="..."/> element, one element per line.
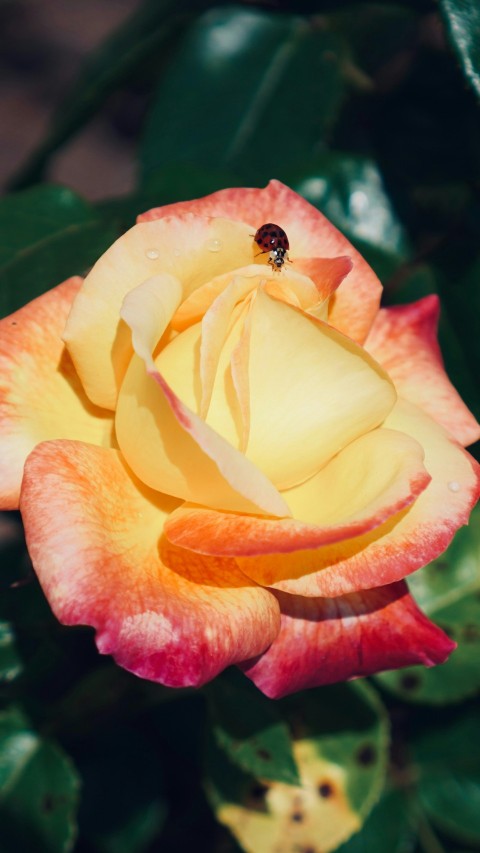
<point x="371" y="111"/>
<point x="43" y="46"/>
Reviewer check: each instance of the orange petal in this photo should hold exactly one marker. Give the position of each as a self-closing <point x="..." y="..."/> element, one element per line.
<point x="193" y="249"/>
<point x="324" y="640"/>
<point x="101" y="566"/>
<point x="310" y="234"/>
<point x="372" y="479"/>
<point x="40" y="394"/>
<point x="404" y="340"/>
<point x="327" y="273"/>
<point x="402" y="544"/>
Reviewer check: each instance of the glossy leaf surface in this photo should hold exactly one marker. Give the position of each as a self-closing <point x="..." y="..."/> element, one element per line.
<point x="254" y="122"/>
<point x="448" y="589"/>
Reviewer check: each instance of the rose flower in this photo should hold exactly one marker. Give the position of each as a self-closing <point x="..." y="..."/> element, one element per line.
<point x="220" y="461"/>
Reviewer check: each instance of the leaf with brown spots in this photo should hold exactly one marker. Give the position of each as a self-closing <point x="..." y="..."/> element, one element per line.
<point x="250" y="729"/>
<point x="36" y="780"/>
<point x="340" y="750"/>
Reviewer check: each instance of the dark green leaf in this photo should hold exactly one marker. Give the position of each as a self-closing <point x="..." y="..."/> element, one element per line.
<point x="142" y="37"/>
<point x="47" y="235"/>
<point x="449" y="777"/>
<point x="386" y="828"/>
<point x="35" y="215"/>
<point x="349" y="190"/>
<point x="122" y="806"/>
<point x="38" y="790"/>
<point x="462" y="19"/>
<point x="10" y="659"/>
<point x="457" y="272"/>
<point x="164" y="187"/>
<point x="250" y="730"/>
<point x="340" y="747"/>
<point x="448" y="589"/>
<point x="230" y="97"/>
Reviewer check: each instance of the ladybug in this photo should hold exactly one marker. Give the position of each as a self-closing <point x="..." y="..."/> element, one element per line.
<point x="271" y="238"/>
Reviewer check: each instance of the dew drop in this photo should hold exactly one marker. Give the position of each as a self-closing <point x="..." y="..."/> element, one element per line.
<point x="454" y="486"/>
<point x="177" y="253"/>
<point x="152" y="254"/>
<point x="214" y="245"/>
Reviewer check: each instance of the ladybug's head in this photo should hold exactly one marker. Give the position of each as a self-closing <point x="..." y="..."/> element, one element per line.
<point x="277" y="257"/>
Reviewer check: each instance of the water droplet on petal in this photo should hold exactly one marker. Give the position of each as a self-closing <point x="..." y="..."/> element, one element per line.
<point x="214" y="245"/>
<point x="454" y="486"/>
<point x="152" y="254"/>
<point x="177" y="253"/>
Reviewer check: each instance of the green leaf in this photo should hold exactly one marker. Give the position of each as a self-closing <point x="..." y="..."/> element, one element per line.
<point x="387" y="828"/>
<point x="250" y="729"/>
<point x="448" y="768"/>
<point x="448" y="589"/>
<point x="457" y="272"/>
<point x="165" y="186"/>
<point x="121" y="771"/>
<point x="141" y="38"/>
<point x="349" y="190"/>
<point x="38" y="790"/>
<point x="340" y="748"/>
<point x="462" y="19"/>
<point x="10" y="659"/>
<point x="244" y="113"/>
<point x="48" y="234"/>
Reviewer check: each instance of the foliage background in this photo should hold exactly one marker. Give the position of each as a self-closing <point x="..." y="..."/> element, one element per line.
<point x="371" y="111"/>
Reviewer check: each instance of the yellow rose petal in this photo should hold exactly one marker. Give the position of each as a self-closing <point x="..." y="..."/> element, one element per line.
<point x="194" y="249"/>
<point x="312" y="392"/>
<point x="165" y="443"/>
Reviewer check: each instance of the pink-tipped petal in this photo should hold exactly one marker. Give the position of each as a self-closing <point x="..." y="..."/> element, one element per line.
<point x="310" y="234"/>
<point x="374" y="478"/>
<point x="404" y="340"/>
<point x="323" y="640"/>
<point x="402" y="544"/>
<point x="40" y="395"/>
<point x="94" y="536"/>
<point x="327" y="273"/>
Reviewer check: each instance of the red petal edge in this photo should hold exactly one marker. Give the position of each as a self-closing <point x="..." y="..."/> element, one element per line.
<point x="325" y="640"/>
